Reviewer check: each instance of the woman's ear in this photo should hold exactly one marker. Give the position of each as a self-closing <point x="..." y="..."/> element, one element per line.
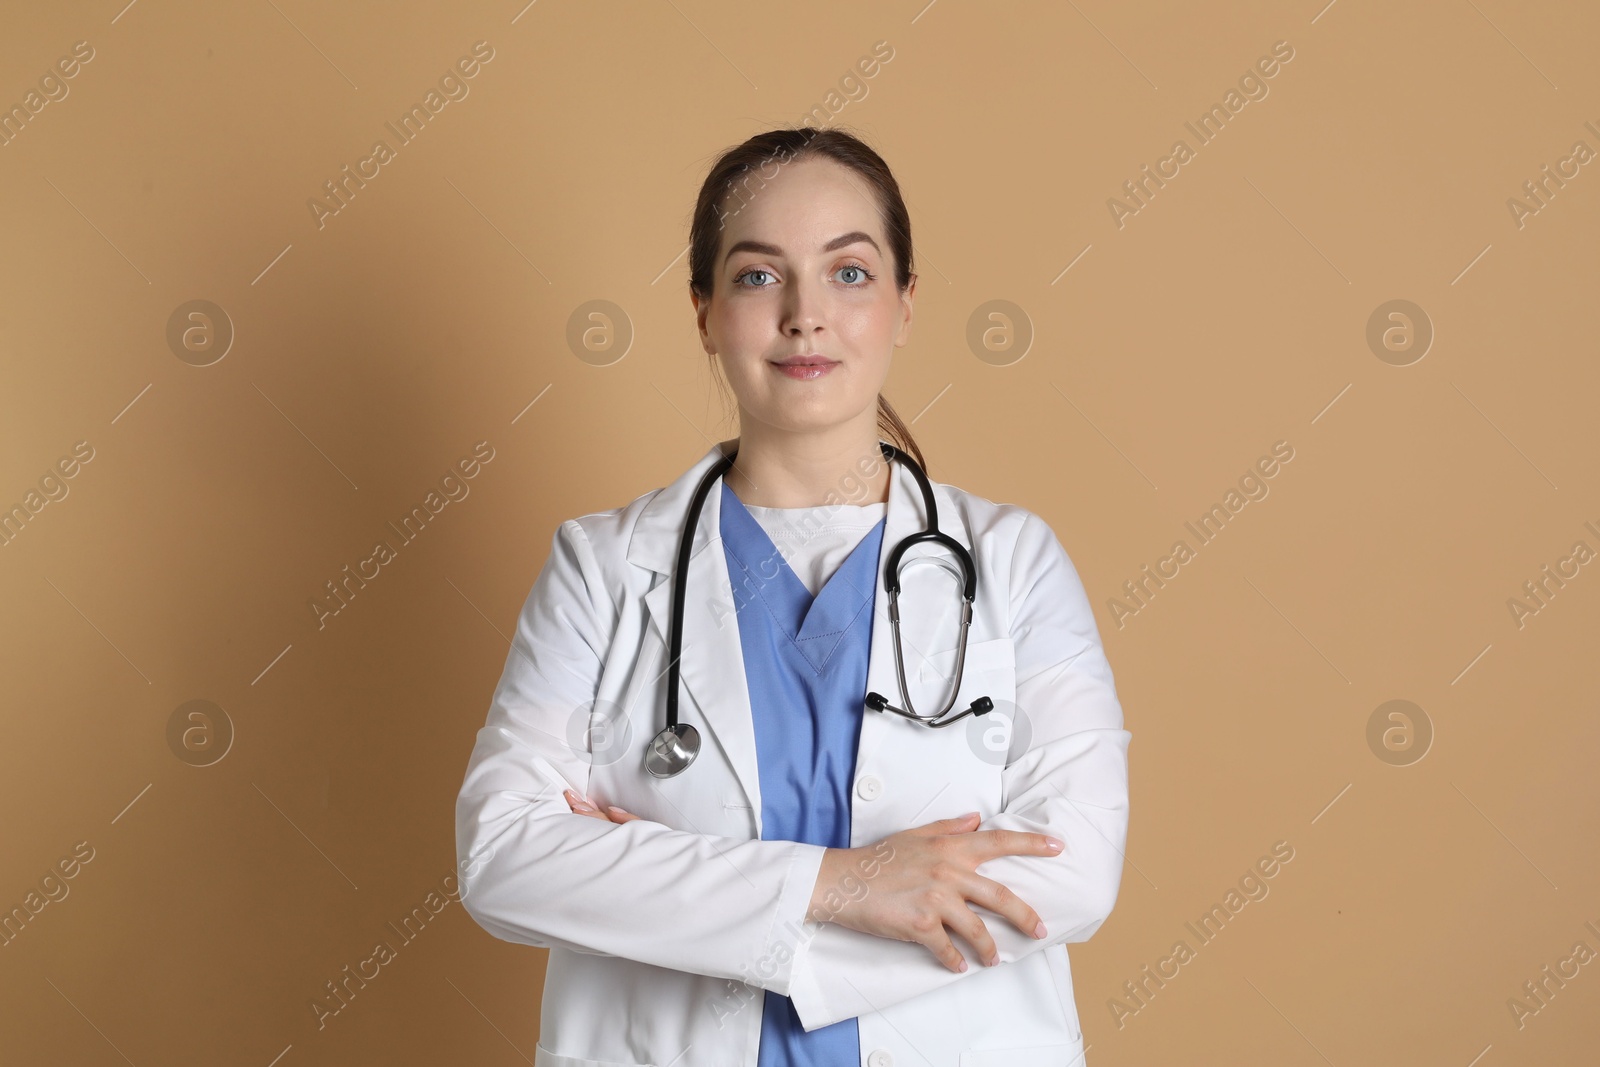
<point x="702" y="308"/>
<point x="907" y="298"/>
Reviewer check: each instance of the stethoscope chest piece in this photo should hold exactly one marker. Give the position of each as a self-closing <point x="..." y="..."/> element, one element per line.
<point x="673" y="749"/>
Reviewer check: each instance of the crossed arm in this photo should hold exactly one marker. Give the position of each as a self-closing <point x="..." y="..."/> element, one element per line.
<point x="534" y="873"/>
<point x="730" y="908"/>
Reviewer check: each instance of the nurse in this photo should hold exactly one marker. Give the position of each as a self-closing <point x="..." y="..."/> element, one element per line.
<point x="817" y="940"/>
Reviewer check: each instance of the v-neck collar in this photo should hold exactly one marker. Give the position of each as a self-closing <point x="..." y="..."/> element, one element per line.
<point x="817" y="624"/>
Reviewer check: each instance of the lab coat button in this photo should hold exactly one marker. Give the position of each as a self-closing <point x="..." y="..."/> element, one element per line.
<point x="880" y="1058"/>
<point x="869" y="787"/>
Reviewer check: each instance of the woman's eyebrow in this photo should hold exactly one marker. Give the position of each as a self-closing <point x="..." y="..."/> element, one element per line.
<point x="762" y="248"/>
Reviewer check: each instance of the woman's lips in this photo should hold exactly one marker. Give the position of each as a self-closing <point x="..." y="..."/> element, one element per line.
<point x="806" y="371"/>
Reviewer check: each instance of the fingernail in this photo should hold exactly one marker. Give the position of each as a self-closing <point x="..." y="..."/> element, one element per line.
<point x="1052" y="844"/>
<point x="963" y="964"/>
<point x="1038" y="931"/>
<point x="613" y="807"/>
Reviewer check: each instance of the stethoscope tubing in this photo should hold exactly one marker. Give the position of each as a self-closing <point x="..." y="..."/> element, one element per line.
<point x="677" y="745"/>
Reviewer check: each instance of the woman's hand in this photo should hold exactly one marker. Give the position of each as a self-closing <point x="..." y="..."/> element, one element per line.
<point x="581" y="806"/>
<point x="924" y="884"/>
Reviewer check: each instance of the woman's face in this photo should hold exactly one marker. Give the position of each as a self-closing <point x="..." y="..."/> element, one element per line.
<point x="805" y="270"/>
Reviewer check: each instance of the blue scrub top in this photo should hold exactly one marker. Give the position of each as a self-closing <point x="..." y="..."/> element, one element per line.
<point x="805" y="662"/>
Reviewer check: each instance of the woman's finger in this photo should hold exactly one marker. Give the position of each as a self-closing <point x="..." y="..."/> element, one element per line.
<point x="581" y="806"/>
<point x="1000" y="899"/>
<point x="936" y="939"/>
<point x="992" y="843"/>
<point x="969" y="924"/>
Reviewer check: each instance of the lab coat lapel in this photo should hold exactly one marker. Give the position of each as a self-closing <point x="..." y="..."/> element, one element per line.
<point x="712" y="659"/>
<point x="904" y="516"/>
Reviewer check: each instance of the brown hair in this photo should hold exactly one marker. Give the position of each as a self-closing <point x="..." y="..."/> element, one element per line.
<point x="754" y="163"/>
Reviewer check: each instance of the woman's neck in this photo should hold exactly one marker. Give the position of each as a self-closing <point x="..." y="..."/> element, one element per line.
<point x="807" y="470"/>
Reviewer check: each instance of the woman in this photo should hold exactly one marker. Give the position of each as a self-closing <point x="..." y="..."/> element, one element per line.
<point x="804" y="891"/>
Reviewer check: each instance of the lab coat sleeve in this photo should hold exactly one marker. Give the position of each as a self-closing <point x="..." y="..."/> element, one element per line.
<point x="1071" y="783"/>
<point x="535" y="873"/>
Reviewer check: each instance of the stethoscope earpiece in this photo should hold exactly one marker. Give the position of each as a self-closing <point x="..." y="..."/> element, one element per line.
<point x="981" y="706"/>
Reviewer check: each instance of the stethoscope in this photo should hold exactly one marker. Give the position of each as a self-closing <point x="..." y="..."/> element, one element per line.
<point x="677" y="745"/>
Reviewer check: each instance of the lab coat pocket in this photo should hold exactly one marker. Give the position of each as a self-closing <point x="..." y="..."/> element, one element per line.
<point x="966" y="759"/>
<point x="995" y="656"/>
<point x="1069" y="1055"/>
<point x="543" y="1057"/>
<point x="996" y="738"/>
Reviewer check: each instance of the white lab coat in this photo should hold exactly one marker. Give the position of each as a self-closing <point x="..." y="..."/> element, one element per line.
<point x="663" y="931"/>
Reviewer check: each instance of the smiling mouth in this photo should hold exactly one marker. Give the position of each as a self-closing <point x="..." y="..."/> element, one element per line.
<point x="805" y="361"/>
<point x="805" y="368"/>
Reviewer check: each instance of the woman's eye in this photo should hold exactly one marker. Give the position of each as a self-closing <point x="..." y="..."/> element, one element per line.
<point x="857" y="277"/>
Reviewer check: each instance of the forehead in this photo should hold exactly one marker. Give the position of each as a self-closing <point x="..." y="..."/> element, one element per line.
<point x="806" y="204"/>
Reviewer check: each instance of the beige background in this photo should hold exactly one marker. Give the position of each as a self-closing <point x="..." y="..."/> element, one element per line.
<point x="372" y="353"/>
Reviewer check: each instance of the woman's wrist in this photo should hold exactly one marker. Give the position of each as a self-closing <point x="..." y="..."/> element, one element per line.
<point x="827" y="875"/>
